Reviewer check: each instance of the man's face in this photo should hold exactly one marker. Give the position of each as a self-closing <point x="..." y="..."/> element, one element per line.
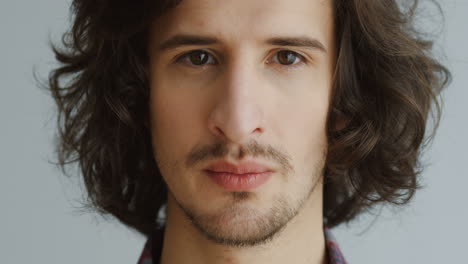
<point x="239" y="99"/>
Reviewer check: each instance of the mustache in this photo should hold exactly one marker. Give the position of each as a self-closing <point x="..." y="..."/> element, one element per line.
<point x="222" y="150"/>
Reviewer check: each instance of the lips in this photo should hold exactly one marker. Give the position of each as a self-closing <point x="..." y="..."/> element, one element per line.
<point x="248" y="167"/>
<point x="241" y="177"/>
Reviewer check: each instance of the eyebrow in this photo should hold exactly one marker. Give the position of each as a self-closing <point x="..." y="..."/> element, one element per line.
<point x="187" y="40"/>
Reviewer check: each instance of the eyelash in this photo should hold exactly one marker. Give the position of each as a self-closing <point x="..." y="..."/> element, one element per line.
<point x="302" y="59"/>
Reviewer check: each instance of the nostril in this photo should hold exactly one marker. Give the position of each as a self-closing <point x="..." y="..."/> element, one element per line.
<point x="219" y="131"/>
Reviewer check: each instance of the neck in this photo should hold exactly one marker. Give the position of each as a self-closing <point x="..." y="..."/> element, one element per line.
<point x="301" y="241"/>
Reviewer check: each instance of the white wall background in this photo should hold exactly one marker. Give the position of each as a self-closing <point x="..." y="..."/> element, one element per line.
<point x="38" y="222"/>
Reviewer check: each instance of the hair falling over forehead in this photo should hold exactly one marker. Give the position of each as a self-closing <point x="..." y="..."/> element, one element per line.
<point x="386" y="84"/>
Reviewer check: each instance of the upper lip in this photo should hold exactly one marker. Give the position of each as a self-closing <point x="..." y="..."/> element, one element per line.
<point x="241" y="168"/>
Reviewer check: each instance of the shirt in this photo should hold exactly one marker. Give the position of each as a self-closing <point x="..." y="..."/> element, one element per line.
<point x="153" y="247"/>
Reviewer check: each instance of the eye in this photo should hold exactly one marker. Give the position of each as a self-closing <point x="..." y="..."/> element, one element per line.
<point x="195" y="58"/>
<point x="201" y="57"/>
<point x="289" y="58"/>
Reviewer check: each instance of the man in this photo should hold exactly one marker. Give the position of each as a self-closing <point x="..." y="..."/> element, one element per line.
<point x="258" y="125"/>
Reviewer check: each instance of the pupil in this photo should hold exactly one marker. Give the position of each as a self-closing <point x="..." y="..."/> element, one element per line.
<point x="286" y="56"/>
<point x="198" y="57"/>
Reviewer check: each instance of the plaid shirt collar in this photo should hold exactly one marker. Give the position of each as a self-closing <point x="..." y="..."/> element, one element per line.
<point x="153" y="247"/>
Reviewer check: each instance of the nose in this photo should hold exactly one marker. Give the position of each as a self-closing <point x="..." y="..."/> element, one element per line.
<point x="238" y="115"/>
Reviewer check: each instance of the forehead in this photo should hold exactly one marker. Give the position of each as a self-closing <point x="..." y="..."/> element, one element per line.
<point x="237" y="20"/>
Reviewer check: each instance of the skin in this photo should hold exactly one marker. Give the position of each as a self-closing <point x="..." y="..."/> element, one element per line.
<point x="244" y="103"/>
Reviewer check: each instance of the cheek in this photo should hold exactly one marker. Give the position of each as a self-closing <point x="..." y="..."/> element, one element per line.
<point x="301" y="119"/>
<point x="174" y="119"/>
<point x="307" y="142"/>
<point x="173" y="106"/>
<point x="306" y="131"/>
<point x="303" y="104"/>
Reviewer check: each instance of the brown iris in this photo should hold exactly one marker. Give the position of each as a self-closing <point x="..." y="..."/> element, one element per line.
<point x="198" y="57"/>
<point x="286" y="57"/>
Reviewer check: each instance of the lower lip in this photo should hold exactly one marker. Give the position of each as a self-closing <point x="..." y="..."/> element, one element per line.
<point x="239" y="182"/>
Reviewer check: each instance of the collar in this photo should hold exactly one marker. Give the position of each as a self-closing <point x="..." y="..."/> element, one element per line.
<point x="153" y="247"/>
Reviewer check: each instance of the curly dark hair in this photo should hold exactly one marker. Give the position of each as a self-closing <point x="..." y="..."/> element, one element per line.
<point x="386" y="83"/>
